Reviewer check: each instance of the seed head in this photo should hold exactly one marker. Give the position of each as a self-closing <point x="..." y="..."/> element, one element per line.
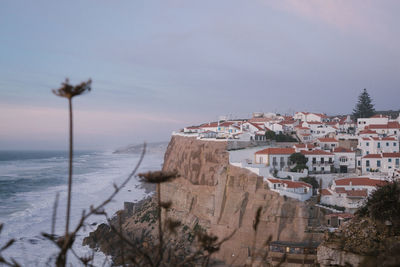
<point x="67" y="90"/>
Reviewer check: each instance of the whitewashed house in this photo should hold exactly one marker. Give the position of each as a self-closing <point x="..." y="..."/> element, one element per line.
<point x="375" y="145"/>
<point x="252" y="127"/>
<point x="308" y="116"/>
<point x="275" y="157"/>
<point x="303" y="147"/>
<point x="368" y="133"/>
<point x="383" y="162"/>
<point x="319" y="161"/>
<point x="344" y="160"/>
<point x="376" y="119"/>
<point x="392" y="128"/>
<point x="298" y="190"/>
<point x="327" y="144"/>
<point x="350" y="193"/>
<point x="345" y="124"/>
<point x="319" y="129"/>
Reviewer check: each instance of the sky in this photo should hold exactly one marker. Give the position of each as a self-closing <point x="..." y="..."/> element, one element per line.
<point x="158" y="66"/>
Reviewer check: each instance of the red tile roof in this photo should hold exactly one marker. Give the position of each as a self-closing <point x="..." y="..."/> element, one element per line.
<point x="357" y="193"/>
<point x="368" y="132"/>
<point x="372" y="156"/>
<point x="389" y="125"/>
<point x="342" y="150"/>
<point x="361" y="181"/>
<point x="211" y="124"/>
<point x="391" y="155"/>
<point x="325" y="192"/>
<point x="276" y="151"/>
<point x="302" y="145"/>
<point x="340" y="190"/>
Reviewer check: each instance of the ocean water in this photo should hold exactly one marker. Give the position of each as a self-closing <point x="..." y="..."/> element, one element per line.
<point x="30" y="181"/>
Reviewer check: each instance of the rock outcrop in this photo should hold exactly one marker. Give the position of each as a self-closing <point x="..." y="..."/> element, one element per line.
<point x="219" y="198"/>
<point x="223" y="198"/>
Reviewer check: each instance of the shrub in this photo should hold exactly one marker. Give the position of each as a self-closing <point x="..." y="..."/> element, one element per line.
<point x="383" y="204"/>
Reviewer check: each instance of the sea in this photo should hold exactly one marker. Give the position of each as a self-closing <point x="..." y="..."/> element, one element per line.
<point x="30" y="182"/>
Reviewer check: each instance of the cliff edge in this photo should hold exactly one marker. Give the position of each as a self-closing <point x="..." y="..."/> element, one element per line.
<point x="219" y="198"/>
<point x="223" y="198"/>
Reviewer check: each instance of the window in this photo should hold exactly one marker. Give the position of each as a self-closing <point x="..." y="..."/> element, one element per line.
<point x="367" y="143"/>
<point x="359" y="163"/>
<point x="397" y="161"/>
<point x="322" y="160"/>
<point x="390" y="160"/>
<point x="367" y="163"/>
<point x="378" y="163"/>
<point x="322" y="169"/>
<point x="394" y="144"/>
<point x="387" y="143"/>
<point x="314" y="160"/>
<point x="379" y="144"/>
<point x="367" y="152"/>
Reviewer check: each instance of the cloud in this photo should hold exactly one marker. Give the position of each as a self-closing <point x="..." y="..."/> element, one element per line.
<point x="370" y="19"/>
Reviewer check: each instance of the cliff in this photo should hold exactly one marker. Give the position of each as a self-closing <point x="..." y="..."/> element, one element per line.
<point x="223" y="198"/>
<point x="219" y="198"/>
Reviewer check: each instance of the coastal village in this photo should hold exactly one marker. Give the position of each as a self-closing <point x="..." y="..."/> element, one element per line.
<point x="333" y="160"/>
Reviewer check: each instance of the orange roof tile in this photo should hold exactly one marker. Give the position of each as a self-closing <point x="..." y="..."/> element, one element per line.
<point x="391" y="155"/>
<point x="342" y="150"/>
<point x="325" y="192"/>
<point x="361" y="181"/>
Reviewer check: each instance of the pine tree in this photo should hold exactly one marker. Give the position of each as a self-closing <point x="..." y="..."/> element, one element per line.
<point x="364" y="107"/>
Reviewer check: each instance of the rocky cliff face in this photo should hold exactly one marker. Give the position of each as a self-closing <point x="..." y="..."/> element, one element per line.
<point x="217" y="197"/>
<point x="222" y="198"/>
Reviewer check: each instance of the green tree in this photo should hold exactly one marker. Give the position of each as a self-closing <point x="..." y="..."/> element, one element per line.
<point x="300" y="160"/>
<point x="383" y="204"/>
<point x="270" y="135"/>
<point x="310" y="180"/>
<point x="364" y="107"/>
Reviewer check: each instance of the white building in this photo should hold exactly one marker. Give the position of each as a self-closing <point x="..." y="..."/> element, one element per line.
<point x="376" y="145"/>
<point x="327" y="143"/>
<point x="392" y="128"/>
<point x="303" y="147"/>
<point x="276" y="158"/>
<point x="376" y="119"/>
<point x="319" y="161"/>
<point x="345" y="160"/>
<point x="308" y="116"/>
<point x="298" y="190"/>
<point x="350" y="193"/>
<point x="383" y="162"/>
